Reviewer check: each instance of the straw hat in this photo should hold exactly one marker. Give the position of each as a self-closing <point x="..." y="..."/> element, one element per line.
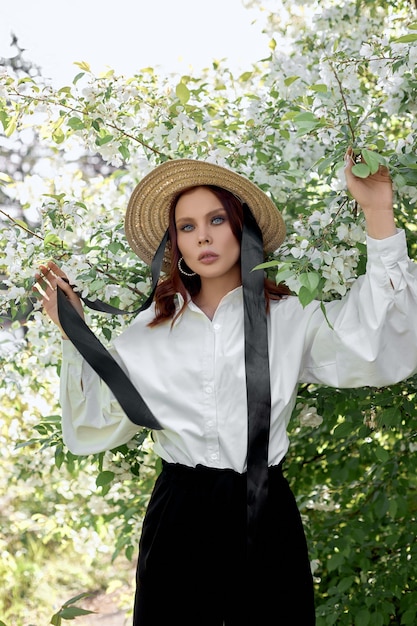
<point x="149" y="205"/>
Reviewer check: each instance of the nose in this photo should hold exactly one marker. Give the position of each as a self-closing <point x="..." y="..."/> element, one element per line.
<point x="202" y="239"/>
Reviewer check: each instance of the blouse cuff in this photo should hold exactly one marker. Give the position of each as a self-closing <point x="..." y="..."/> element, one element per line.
<point x="388" y="260"/>
<point x="391" y="249"/>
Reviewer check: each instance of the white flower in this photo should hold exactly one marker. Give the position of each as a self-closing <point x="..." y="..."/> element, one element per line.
<point x="308" y="416"/>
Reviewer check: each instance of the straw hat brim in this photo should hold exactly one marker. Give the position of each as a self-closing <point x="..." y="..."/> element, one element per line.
<point x="148" y="209"/>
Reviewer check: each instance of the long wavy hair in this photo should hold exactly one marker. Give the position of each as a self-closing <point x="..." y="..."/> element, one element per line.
<point x="175" y="282"/>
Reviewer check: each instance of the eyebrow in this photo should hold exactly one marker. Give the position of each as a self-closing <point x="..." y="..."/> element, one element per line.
<point x="209" y="214"/>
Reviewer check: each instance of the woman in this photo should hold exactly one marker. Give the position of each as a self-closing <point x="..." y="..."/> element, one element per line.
<point x="217" y="358"/>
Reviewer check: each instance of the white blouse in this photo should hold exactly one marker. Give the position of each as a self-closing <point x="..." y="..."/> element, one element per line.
<point x="192" y="375"/>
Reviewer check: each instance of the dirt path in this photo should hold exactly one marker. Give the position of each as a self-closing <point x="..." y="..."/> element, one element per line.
<point x="111" y="609"/>
<point x="107" y="613"/>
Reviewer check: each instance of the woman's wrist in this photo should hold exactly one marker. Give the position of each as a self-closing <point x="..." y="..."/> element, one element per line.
<point x="380" y="223"/>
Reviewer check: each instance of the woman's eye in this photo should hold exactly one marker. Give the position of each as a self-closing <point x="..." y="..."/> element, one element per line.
<point x="186" y="228"/>
<point x="219" y="219"/>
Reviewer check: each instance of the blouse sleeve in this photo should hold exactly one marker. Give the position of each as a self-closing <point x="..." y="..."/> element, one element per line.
<point x="370" y="336"/>
<point x="92" y="419"/>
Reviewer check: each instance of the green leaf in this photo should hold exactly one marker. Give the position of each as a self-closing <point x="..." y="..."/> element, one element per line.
<point x="11" y="127"/>
<point x="324" y="311"/>
<point x="72" y="612"/>
<point x="77" y="78"/>
<point x="382" y="454"/>
<point x="20" y="223"/>
<point x="124" y="151"/>
<point x="282" y="275"/>
<point x="324" y="164"/>
<point x="393" y="508"/>
<point x="310" y="280"/>
<point x="265" y="265"/>
<point x="4" y="119"/>
<point x="5" y="178"/>
<point x="290" y="80"/>
<point x="345" y="584"/>
<point x="362" y="170"/>
<point x="335" y="561"/>
<point x="76" y="123"/>
<point x="52" y="239"/>
<point x="373" y="159"/>
<point x="319" y="87"/>
<point x="245" y="76"/>
<point x="104" y="478"/>
<point x="58" y="135"/>
<point x="390" y="416"/>
<point x="107" y="333"/>
<point x="381" y="505"/>
<point x="182" y="92"/>
<point x="83" y="65"/>
<point x="305" y="128"/>
<point x="363" y="618"/>
<point x="343" y="430"/>
<point x="100" y="141"/>
<point x="306" y="116"/>
<point x="409" y="617"/>
<point x="399" y="179"/>
<point x="114" y="247"/>
<point x="59" y="456"/>
<point x="305" y="296"/>
<point x="406" y="38"/>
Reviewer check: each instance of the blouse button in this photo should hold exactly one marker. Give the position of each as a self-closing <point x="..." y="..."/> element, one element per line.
<point x="209" y="389"/>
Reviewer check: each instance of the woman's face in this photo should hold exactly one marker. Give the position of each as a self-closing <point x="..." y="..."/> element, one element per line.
<point x="204" y="236"/>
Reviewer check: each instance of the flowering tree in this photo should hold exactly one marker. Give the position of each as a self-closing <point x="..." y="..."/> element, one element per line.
<point x="338" y="75"/>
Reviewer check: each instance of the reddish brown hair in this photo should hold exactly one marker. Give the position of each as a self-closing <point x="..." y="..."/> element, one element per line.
<point x="175" y="282"/>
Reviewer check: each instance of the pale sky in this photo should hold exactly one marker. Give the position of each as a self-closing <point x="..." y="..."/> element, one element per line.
<point x="172" y="35"/>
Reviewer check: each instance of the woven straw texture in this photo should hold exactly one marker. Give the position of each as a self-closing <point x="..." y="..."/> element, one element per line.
<point x="148" y="209"/>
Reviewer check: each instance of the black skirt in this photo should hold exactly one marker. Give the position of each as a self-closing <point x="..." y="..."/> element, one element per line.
<point x="193" y="567"/>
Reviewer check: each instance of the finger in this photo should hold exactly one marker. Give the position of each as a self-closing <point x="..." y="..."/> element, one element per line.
<point x="38" y="289"/>
<point x="50" y="274"/>
<point x="349" y="159"/>
<point x="41" y="284"/>
<point x="55" y="269"/>
<point x="51" y="270"/>
<point x="64" y="285"/>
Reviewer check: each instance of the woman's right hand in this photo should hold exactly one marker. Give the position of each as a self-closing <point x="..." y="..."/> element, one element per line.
<point x="48" y="279"/>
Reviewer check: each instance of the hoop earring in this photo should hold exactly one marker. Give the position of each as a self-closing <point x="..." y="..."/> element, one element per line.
<point x="189" y="274"/>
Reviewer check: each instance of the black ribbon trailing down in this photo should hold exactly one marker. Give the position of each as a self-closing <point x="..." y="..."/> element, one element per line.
<point x="257" y="378"/>
<point x="256" y="362"/>
<point x="100" y="359"/>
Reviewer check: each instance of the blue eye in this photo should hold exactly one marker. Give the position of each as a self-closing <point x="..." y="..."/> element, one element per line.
<point x="219" y="219"/>
<point x="187" y="228"/>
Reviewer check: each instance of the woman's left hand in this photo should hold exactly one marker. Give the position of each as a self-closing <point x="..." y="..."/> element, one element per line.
<point x="374" y="194"/>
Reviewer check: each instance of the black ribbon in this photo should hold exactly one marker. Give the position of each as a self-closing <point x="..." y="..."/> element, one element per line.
<point x="256" y="362"/>
<point x="100" y="359"/>
<point x="257" y="378"/>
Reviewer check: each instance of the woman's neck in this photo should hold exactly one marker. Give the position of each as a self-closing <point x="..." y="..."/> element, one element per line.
<point x="212" y="291"/>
